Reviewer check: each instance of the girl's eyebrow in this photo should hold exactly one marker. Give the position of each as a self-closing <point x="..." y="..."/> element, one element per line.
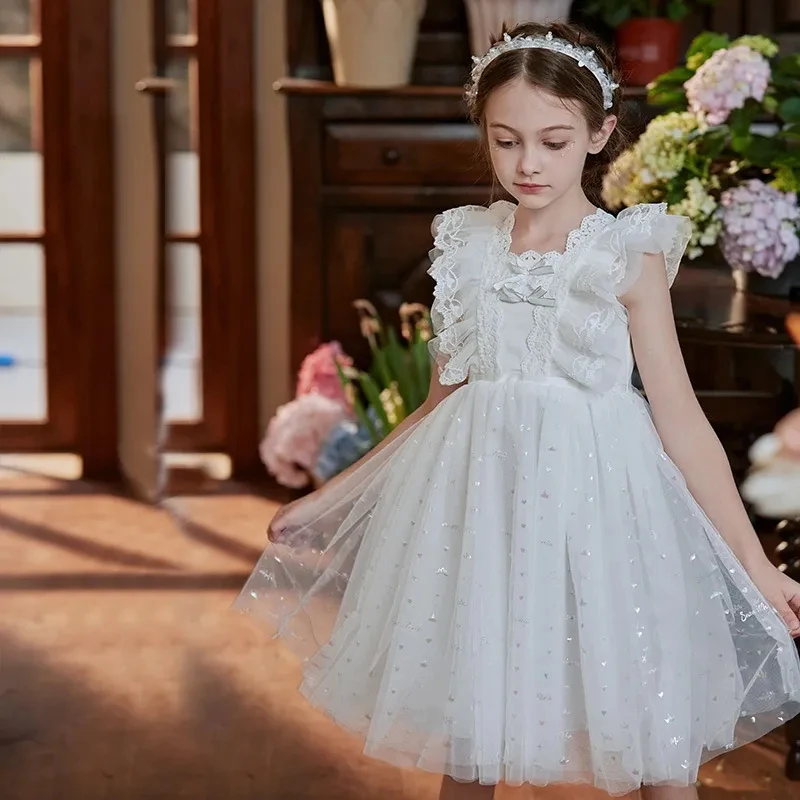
<point x="548" y="129"/>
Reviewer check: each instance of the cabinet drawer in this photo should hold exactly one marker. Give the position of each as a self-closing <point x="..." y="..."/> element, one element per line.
<point x="409" y="154"/>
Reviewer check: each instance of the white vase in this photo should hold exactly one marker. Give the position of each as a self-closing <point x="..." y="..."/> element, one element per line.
<point x="486" y="17"/>
<point x="372" y="41"/>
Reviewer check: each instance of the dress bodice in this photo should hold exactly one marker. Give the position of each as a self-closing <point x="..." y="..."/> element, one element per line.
<point x="538" y="315"/>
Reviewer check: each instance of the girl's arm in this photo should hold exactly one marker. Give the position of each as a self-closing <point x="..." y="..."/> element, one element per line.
<point x="688" y="437"/>
<point x="436" y="393"/>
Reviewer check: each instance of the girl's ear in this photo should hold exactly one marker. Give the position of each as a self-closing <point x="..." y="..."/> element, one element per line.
<point x="602" y="136"/>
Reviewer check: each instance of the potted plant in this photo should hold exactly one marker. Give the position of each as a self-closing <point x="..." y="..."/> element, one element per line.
<point x="487" y="17"/>
<point x="648" y="33"/>
<point x="726" y="153"/>
<point x="372" y="42"/>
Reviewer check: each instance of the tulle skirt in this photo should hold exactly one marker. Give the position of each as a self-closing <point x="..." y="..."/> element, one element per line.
<point x="522" y="589"/>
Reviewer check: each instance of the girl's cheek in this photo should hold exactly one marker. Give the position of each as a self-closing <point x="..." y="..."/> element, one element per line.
<point x="565" y="151"/>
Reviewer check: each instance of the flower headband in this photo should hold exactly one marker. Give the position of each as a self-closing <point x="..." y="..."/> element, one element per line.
<point x="585" y="56"/>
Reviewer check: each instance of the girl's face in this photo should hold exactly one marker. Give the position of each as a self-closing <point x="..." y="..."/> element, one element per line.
<point x="538" y="143"/>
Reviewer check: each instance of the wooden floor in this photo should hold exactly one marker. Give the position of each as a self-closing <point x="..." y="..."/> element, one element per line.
<point x="124" y="675"/>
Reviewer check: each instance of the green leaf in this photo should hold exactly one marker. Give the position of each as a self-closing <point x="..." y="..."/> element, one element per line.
<point x="788" y="159"/>
<point x="397" y="358"/>
<point x="365" y="420"/>
<point x="677" y="10"/>
<point x="706" y="44"/>
<point x="787" y="82"/>
<point x="789" y="110"/>
<point x="741" y="119"/>
<point x="381" y="368"/>
<point x="771" y="104"/>
<point x="670" y="81"/>
<point x="422" y="366"/>
<point x="788" y="66"/>
<point x="740" y="144"/>
<point x="790" y="132"/>
<point x="343" y="379"/>
<point x="373" y="395"/>
<point x="712" y="142"/>
<point x="762" y="151"/>
<point x="676" y="192"/>
<point x="670" y="100"/>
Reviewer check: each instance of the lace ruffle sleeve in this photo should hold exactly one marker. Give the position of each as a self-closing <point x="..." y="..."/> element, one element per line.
<point x="592" y="340"/>
<point x="647" y="228"/>
<point x="461" y="236"/>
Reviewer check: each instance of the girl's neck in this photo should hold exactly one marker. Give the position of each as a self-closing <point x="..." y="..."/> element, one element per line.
<point x="544" y="227"/>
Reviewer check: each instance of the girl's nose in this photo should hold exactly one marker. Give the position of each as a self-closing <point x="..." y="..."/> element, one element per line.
<point x="530" y="163"/>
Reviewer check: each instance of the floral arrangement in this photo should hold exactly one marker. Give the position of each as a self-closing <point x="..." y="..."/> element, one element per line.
<point x="725" y="152"/>
<point x="339" y="413"/>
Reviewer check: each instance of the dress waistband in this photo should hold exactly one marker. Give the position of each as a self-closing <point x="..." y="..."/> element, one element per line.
<point x="551" y="380"/>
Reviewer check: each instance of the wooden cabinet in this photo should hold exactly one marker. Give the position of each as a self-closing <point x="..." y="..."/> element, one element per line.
<point x="369" y="173"/>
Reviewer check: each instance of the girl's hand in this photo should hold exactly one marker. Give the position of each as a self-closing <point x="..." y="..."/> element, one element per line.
<point x="278" y="527"/>
<point x="780" y="591"/>
<point x="283" y="529"/>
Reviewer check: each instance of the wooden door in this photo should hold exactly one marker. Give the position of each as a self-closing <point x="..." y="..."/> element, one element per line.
<point x="56" y="231"/>
<point x="211" y="365"/>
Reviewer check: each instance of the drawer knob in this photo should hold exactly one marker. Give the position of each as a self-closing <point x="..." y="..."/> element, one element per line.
<point x="391" y="156"/>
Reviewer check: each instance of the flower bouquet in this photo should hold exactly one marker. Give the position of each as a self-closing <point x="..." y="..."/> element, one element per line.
<point x="725" y="152"/>
<point x="339" y="413"/>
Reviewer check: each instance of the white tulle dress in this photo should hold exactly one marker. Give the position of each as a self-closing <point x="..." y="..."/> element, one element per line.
<point x="521" y="587"/>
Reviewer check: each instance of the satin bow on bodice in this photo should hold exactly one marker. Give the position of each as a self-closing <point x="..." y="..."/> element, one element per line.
<point x="526" y="285"/>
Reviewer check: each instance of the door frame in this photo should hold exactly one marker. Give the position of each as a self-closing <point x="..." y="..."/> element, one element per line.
<point x="78" y="240"/>
<point x="226" y="125"/>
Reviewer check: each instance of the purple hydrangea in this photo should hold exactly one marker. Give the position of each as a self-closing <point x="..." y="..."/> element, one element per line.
<point x="759" y="228"/>
<point x="726" y="81"/>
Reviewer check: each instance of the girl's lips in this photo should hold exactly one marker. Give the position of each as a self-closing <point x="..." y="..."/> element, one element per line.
<point x="531" y="188"/>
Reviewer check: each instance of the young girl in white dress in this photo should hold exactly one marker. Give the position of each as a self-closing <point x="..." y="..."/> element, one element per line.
<point x="535" y="578"/>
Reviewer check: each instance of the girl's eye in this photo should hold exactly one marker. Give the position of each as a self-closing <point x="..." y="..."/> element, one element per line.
<point x="505" y="143"/>
<point x="556" y="145"/>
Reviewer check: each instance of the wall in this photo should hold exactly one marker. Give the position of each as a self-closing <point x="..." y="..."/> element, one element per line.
<point x="273" y="210"/>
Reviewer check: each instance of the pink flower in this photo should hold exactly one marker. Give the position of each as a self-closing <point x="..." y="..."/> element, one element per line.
<point x="318" y="374"/>
<point x="759" y="228"/>
<point x="724" y="82"/>
<point x="295" y="434"/>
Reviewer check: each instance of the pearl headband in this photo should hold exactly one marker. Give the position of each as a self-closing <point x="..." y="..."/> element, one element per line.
<point x="585" y="56"/>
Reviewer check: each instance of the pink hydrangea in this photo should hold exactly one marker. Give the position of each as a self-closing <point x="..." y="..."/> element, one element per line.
<point x="759" y="228"/>
<point x="295" y="435"/>
<point x="318" y="374"/>
<point x="726" y="81"/>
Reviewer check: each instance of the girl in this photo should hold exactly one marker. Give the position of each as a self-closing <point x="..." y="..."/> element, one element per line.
<point x="533" y="579"/>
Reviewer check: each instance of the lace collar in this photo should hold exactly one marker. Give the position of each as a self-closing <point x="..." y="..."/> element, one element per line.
<point x="589" y="226"/>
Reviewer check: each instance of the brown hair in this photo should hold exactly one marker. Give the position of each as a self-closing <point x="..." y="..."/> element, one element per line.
<point x="561" y="76"/>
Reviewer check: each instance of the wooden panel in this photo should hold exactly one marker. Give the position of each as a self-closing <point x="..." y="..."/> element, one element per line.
<point x="382" y="257"/>
<point x="91" y="211"/>
<point x="59" y="268"/>
<point x="307" y="302"/>
<point x="404" y="154"/>
<point x="727" y="17"/>
<point x="236" y="198"/>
